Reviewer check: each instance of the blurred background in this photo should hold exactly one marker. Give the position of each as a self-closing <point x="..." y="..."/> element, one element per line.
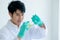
<point x="47" y="10"/>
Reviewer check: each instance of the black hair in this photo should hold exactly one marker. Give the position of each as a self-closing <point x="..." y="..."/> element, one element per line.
<point x="14" y="5"/>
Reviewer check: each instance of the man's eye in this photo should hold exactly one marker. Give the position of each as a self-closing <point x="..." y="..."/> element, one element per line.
<point x="17" y="14"/>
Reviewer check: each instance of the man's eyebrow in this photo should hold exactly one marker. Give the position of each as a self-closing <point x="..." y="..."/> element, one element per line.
<point x="20" y="13"/>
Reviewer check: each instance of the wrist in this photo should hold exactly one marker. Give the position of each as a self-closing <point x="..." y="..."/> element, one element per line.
<point x="40" y="24"/>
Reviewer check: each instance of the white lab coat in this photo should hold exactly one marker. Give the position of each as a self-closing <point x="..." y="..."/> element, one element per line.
<point x="10" y="31"/>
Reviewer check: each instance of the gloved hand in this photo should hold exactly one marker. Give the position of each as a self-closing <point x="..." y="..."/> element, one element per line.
<point x="23" y="29"/>
<point x="37" y="20"/>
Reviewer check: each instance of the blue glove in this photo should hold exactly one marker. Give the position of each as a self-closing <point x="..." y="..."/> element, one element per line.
<point x="37" y="20"/>
<point x="23" y="29"/>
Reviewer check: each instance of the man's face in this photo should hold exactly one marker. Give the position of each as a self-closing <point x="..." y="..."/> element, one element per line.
<point x="17" y="17"/>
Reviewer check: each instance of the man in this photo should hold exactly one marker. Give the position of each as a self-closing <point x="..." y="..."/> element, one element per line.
<point x="10" y="31"/>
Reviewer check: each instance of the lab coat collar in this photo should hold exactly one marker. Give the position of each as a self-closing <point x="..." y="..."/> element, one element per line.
<point x="13" y="28"/>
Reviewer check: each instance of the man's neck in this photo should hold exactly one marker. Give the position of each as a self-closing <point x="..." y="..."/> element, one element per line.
<point x="14" y="23"/>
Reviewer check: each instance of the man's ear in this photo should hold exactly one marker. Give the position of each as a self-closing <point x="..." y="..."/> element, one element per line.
<point x="10" y="14"/>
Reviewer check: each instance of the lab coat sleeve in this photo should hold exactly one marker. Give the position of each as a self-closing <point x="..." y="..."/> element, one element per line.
<point x="2" y="37"/>
<point x="37" y="32"/>
<point x="27" y="36"/>
<point x="3" y="33"/>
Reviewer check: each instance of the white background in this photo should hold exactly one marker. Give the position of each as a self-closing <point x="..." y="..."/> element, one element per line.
<point x="47" y="10"/>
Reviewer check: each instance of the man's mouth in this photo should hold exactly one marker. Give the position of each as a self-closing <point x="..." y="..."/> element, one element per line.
<point x="19" y="21"/>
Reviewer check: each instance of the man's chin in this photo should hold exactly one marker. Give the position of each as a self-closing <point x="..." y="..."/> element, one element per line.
<point x="18" y="23"/>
